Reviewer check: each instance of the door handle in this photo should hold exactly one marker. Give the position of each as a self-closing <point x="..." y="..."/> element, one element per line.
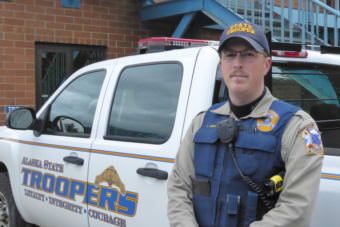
<point x="154" y="173"/>
<point x="74" y="160"/>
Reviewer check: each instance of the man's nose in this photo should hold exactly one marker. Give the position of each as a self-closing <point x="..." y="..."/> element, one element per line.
<point x="237" y="61"/>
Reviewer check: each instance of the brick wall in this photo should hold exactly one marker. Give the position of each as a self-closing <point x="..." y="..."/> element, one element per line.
<point x="109" y="23"/>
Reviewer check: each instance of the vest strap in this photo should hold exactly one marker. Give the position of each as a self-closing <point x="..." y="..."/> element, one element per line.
<point x="250" y="209"/>
<point x="232" y="210"/>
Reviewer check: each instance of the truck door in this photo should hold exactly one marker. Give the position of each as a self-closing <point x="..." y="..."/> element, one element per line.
<point x="54" y="165"/>
<point x="140" y="130"/>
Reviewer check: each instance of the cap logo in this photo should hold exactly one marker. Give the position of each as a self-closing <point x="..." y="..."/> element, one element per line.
<point x="241" y="27"/>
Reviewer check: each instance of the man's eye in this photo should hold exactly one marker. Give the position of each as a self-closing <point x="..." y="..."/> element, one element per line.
<point x="248" y="54"/>
<point x="230" y="55"/>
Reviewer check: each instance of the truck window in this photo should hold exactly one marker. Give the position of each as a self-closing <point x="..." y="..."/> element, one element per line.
<point x="145" y="103"/>
<point x="316" y="89"/>
<point x="72" y="112"/>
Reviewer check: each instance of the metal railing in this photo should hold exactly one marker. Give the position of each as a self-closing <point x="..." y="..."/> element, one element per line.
<point x="329" y="19"/>
<point x="298" y="21"/>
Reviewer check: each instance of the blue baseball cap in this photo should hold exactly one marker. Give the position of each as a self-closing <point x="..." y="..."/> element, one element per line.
<point x="252" y="33"/>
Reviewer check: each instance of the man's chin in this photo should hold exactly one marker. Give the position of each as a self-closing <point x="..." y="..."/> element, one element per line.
<point x="238" y="89"/>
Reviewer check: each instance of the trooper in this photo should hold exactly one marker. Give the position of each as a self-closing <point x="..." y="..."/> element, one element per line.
<point x="253" y="160"/>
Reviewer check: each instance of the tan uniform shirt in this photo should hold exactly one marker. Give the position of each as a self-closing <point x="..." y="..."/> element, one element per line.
<point x="301" y="183"/>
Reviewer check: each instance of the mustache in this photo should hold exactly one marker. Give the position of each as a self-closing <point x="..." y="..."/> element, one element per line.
<point x="238" y="72"/>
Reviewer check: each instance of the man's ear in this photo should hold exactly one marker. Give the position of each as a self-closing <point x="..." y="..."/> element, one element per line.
<point x="267" y="64"/>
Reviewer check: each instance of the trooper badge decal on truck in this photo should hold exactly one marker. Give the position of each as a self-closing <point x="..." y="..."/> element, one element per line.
<point x="111" y="177"/>
<point x="65" y="192"/>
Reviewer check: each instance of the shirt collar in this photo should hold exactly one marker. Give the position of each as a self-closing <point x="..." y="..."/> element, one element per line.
<point x="259" y="111"/>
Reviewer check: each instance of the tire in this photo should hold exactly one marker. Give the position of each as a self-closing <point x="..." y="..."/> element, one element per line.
<point x="9" y="214"/>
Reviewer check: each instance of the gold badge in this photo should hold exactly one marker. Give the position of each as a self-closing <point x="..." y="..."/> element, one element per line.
<point x="268" y="123"/>
<point x="111" y="177"/>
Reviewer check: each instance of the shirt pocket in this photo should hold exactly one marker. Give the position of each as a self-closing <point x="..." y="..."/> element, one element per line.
<point x="255" y="153"/>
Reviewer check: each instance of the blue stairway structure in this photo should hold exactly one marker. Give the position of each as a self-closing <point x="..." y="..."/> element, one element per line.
<point x="293" y="21"/>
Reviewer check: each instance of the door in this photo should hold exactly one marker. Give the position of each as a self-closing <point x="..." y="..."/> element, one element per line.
<point x="54" y="166"/>
<point x="141" y="128"/>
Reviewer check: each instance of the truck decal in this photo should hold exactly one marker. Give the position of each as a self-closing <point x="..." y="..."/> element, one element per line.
<point x="45" y="164"/>
<point x="113" y="153"/>
<point x="106" y="198"/>
<point x="104" y="217"/>
<point x="330" y="176"/>
<point x="111" y="177"/>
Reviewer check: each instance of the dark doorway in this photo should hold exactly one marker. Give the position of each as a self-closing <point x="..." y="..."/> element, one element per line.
<point x="56" y="62"/>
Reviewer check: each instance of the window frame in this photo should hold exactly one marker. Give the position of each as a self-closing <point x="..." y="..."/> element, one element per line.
<point x="136" y="140"/>
<point x="48" y="109"/>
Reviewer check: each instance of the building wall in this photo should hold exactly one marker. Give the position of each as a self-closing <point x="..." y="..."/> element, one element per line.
<point x="111" y="23"/>
<point x="295" y="3"/>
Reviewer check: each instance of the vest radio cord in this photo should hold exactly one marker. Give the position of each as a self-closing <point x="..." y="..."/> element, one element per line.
<point x="227" y="131"/>
<point x="255" y="187"/>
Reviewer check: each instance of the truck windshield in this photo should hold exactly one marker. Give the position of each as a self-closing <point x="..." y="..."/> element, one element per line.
<point x="316" y="89"/>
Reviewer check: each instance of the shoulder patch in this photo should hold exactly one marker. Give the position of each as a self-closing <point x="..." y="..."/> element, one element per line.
<point x="312" y="139"/>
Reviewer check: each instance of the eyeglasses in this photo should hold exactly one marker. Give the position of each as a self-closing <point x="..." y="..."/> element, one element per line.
<point x="245" y="55"/>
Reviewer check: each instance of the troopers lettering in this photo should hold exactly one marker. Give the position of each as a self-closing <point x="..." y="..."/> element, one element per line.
<point x="106" y="198"/>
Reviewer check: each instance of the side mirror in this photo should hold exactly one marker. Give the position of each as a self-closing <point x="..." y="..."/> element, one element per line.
<point x="21" y="118"/>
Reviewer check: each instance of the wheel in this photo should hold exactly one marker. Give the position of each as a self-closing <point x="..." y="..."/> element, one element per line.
<point x="9" y="214"/>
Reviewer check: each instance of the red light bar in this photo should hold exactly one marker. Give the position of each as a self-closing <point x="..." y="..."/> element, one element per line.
<point x="154" y="44"/>
<point x="290" y="54"/>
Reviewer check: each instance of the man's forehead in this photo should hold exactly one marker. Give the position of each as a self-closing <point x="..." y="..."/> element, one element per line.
<point x="237" y="42"/>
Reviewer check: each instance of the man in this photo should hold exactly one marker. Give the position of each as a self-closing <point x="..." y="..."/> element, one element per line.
<point x="229" y="154"/>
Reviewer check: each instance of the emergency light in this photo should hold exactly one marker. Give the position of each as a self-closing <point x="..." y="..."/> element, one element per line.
<point x="292" y="54"/>
<point x="156" y="44"/>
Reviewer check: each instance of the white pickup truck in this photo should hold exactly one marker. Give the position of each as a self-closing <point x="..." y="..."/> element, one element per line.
<point x="99" y="151"/>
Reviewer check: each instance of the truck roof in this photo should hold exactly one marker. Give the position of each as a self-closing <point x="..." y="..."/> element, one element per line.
<point x="312" y="56"/>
